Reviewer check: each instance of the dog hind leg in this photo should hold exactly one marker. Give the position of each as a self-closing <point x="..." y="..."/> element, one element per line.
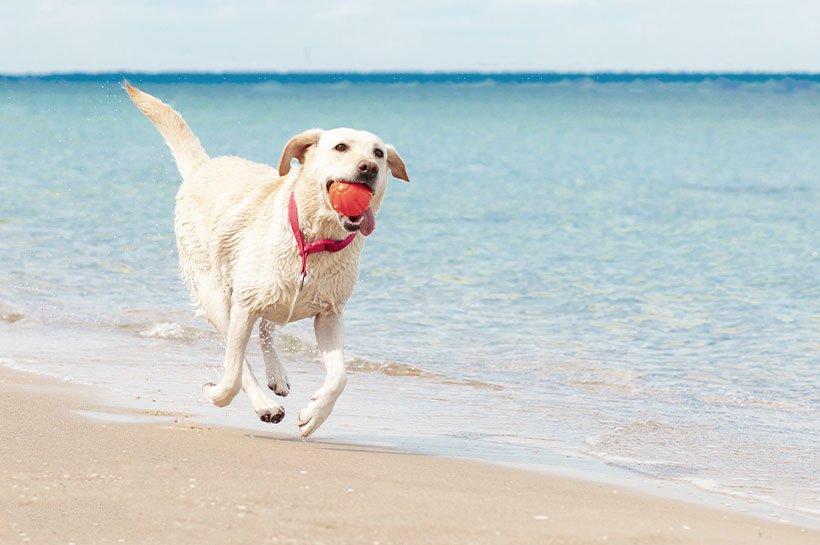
<point x="239" y="329"/>
<point x="217" y="310"/>
<point x="275" y="371"/>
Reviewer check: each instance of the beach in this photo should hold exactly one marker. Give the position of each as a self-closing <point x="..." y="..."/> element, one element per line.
<point x="587" y="309"/>
<point x="74" y="471"/>
<point x="630" y="296"/>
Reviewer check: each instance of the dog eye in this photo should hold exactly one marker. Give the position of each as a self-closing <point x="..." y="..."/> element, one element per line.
<point x="341" y="147"/>
<point x="379" y="153"/>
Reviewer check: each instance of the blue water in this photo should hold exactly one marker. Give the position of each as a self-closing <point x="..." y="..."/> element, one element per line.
<point x="617" y="268"/>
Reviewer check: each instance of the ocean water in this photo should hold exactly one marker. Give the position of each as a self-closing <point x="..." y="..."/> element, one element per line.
<point x="608" y="275"/>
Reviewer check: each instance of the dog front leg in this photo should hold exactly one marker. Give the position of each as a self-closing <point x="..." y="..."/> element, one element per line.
<point x="329" y="330"/>
<point x="236" y="339"/>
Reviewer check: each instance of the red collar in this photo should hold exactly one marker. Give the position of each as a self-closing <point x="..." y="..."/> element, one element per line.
<point x="324" y="245"/>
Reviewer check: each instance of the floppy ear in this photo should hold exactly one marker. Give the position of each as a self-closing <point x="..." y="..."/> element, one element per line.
<point x="395" y="164"/>
<point x="297" y="147"/>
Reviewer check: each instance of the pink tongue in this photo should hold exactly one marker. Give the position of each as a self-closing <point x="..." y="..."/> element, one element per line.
<point x="368" y="224"/>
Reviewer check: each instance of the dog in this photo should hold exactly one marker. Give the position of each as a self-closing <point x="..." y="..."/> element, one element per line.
<point x="262" y="244"/>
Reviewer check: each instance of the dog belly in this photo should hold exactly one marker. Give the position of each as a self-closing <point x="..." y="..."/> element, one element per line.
<point x="312" y="300"/>
<point x="280" y="314"/>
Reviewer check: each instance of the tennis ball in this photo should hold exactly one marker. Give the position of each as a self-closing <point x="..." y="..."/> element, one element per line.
<point x="348" y="199"/>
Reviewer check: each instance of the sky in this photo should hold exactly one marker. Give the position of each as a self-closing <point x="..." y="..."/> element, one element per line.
<point x="41" y="36"/>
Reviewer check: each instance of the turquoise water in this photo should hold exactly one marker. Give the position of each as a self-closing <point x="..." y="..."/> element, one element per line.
<point x="622" y="271"/>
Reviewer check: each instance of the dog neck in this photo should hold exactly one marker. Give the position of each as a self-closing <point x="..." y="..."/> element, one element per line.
<point x="316" y="221"/>
<point x="307" y="248"/>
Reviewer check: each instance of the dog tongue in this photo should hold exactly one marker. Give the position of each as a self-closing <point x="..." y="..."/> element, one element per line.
<point x="368" y="224"/>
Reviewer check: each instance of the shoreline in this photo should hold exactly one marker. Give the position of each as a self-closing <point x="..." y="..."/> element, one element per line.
<point x="90" y="479"/>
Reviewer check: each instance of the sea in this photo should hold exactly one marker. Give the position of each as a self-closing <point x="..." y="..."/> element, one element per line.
<point x="611" y="276"/>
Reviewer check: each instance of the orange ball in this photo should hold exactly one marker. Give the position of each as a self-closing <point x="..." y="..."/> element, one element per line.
<point x="348" y="199"/>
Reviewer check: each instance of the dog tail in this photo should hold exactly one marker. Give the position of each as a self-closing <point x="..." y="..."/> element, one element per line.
<point x="185" y="147"/>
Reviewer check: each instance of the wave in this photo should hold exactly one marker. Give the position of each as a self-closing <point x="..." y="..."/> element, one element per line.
<point x="621" y="439"/>
<point x="10" y="314"/>
<point x="390" y="368"/>
<point x="758" y="402"/>
<point x="762" y="494"/>
<point x="669" y="470"/>
<point x="10" y="317"/>
<point x="173" y="331"/>
<point x="397" y="369"/>
<point x="169" y="329"/>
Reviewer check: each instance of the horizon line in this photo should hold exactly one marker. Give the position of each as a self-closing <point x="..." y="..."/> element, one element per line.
<point x="387" y="76"/>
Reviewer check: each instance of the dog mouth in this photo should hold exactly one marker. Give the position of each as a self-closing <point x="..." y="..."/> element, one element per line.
<point x="351" y="224"/>
<point x="364" y="222"/>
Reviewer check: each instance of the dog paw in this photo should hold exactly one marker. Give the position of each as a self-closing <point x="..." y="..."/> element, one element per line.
<point x="279" y="387"/>
<point x="218" y="396"/>
<point x="314" y="415"/>
<point x="274" y="415"/>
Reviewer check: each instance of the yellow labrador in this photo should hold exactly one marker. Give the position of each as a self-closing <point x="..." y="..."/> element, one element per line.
<point x="239" y="225"/>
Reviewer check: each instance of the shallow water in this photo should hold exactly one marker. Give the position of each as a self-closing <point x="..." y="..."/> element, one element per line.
<point x="623" y="271"/>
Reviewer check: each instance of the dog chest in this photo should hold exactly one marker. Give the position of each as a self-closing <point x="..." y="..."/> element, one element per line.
<point x="324" y="291"/>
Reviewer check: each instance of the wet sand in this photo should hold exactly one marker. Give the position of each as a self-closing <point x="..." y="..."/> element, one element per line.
<point x="68" y="478"/>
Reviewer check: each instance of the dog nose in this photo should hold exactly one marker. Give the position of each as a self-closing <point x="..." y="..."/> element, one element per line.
<point x="368" y="168"/>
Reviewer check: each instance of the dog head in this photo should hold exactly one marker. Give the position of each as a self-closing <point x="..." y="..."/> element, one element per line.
<point x="343" y="155"/>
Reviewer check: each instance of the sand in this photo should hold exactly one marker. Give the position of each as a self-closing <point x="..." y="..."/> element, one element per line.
<point x="68" y="478"/>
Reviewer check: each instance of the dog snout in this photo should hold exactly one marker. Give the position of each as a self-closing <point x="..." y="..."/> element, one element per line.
<point x="368" y="169"/>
